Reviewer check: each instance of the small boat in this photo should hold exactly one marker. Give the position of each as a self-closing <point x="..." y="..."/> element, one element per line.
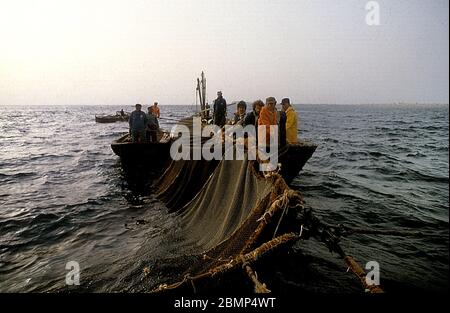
<point x="112" y="118"/>
<point x="148" y="155"/>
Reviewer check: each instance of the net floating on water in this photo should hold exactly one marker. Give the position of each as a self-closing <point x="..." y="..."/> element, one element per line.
<point x="230" y="217"/>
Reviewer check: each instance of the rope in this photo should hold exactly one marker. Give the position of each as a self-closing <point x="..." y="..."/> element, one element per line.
<point x="259" y="287"/>
<point x="263" y="220"/>
<point x="284" y="204"/>
<point x="188" y="278"/>
<point x="327" y="236"/>
<point x="239" y="260"/>
<point x="361" y="274"/>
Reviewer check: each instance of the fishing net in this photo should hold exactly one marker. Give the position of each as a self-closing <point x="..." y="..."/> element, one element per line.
<point x="181" y="180"/>
<point x="226" y="211"/>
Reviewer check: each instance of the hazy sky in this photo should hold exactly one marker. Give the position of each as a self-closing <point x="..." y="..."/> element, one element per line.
<point x="317" y="51"/>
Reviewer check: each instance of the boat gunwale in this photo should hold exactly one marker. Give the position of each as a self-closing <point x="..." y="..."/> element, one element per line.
<point x="118" y="142"/>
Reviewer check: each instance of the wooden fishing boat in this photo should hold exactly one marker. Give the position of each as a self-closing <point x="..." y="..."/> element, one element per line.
<point x="149" y="155"/>
<point x="292" y="158"/>
<point x="111" y="118"/>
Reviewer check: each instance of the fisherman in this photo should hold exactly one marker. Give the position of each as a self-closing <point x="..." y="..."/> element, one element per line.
<point x="155" y="110"/>
<point x="268" y="116"/>
<point x="152" y="126"/>
<point x="121" y="115"/>
<point x="291" y="121"/>
<point x="138" y="124"/>
<point x="252" y="117"/>
<point x="239" y="116"/>
<point x="220" y="110"/>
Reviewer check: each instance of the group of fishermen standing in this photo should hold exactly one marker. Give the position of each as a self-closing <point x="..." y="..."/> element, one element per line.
<point x="144" y="126"/>
<point x="262" y="114"/>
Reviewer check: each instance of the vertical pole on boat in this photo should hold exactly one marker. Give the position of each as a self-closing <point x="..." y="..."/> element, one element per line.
<point x="203" y="92"/>
<point x="200" y="96"/>
<point x="196" y="103"/>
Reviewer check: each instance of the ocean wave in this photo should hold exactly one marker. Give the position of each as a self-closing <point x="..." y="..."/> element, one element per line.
<point x="377" y="154"/>
<point x="383" y="128"/>
<point x="44" y="156"/>
<point x="357" y="153"/>
<point x="416" y="175"/>
<point x="416" y="155"/>
<point x="332" y="140"/>
<point x="432" y="127"/>
<point x="109" y="135"/>
<point x="14" y="176"/>
<point x="440" y="149"/>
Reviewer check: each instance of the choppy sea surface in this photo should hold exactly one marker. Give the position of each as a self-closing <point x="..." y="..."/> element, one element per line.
<point x="64" y="196"/>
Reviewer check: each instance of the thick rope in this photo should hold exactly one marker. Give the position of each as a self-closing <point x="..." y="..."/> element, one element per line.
<point x="331" y="241"/>
<point x="361" y="274"/>
<point x="238" y="261"/>
<point x="281" y="202"/>
<point x="259" y="287"/>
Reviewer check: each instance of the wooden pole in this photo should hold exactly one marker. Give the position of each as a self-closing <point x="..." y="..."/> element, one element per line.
<point x="200" y="94"/>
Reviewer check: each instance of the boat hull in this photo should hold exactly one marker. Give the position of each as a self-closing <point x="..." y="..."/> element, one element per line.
<point x="156" y="156"/>
<point x="111" y="118"/>
<point x="149" y="156"/>
<point x="294" y="157"/>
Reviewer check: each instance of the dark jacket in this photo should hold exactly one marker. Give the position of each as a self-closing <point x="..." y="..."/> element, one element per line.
<point x="138" y="121"/>
<point x="281" y="116"/>
<point x="239" y="119"/>
<point x="220" y="111"/>
<point x="251" y="119"/>
<point x="152" y="121"/>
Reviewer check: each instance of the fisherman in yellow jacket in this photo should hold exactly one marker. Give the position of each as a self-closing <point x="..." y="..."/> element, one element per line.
<point x="291" y="121"/>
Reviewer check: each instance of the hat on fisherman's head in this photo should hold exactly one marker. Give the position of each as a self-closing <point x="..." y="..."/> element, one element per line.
<point x="271" y="99"/>
<point x="285" y="101"/>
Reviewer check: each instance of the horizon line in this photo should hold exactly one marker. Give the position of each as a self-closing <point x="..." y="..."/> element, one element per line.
<point x="235" y="102"/>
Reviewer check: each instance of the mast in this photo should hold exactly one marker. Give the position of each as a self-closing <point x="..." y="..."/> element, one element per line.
<point x="200" y="95"/>
<point x="203" y="91"/>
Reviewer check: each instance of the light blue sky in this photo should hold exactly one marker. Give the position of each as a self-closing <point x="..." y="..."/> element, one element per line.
<point x="317" y="51"/>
